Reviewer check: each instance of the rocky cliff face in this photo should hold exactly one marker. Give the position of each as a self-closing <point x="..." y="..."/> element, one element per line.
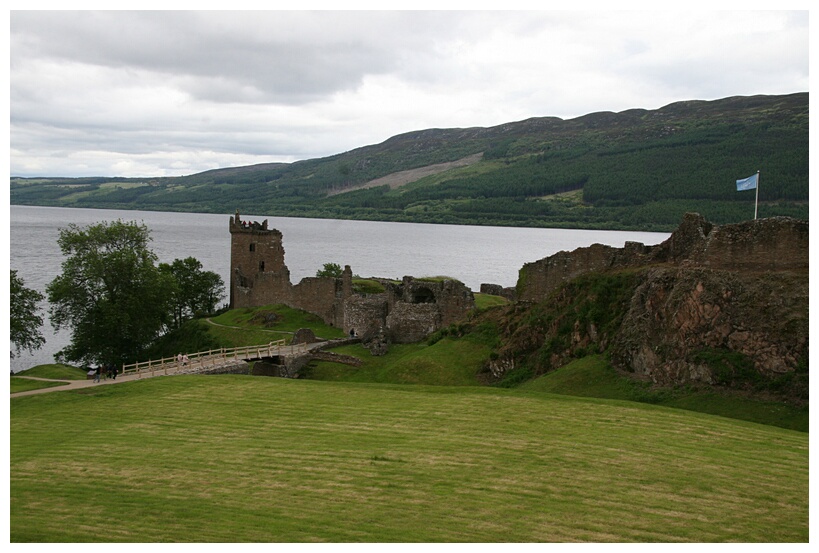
<point x="688" y="325"/>
<point x="714" y="305"/>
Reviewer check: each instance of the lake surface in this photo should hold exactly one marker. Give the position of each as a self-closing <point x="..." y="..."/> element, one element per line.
<point x="472" y="254"/>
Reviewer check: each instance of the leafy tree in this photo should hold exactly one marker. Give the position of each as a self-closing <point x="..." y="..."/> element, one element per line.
<point x="195" y="290"/>
<point x="110" y="293"/>
<point x="25" y="319"/>
<point x="332" y="270"/>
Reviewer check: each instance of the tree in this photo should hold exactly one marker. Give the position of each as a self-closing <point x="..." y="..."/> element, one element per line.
<point x="332" y="270"/>
<point x="25" y="318"/>
<point x="111" y="293"/>
<point x="195" y="290"/>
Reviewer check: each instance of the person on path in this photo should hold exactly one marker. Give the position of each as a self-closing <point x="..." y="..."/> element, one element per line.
<point x="97" y="374"/>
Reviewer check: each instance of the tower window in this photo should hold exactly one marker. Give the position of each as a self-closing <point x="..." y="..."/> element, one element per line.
<point x="252" y="247"/>
<point x="261" y="266"/>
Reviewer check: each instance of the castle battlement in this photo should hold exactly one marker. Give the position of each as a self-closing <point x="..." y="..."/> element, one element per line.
<point x="237" y="225"/>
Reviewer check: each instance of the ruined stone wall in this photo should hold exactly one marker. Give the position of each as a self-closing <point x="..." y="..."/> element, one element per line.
<point x="454" y="301"/>
<point x="408" y="322"/>
<point x="365" y="315"/>
<point x="498" y="290"/>
<point x="409" y="311"/>
<point x="318" y="295"/>
<point x="538" y="279"/>
<point x="775" y="244"/>
<point x="406" y="312"/>
<point x="259" y="276"/>
<point x="778" y="243"/>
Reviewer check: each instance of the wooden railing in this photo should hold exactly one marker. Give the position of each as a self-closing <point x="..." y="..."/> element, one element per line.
<point x="211" y="359"/>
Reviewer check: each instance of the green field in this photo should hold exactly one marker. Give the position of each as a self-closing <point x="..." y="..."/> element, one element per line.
<point x="254" y="459"/>
<point x="406" y="447"/>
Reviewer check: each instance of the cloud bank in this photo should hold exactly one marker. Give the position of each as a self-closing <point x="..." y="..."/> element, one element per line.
<point x="141" y="93"/>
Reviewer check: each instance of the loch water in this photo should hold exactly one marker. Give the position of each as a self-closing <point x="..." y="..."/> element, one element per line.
<point x="472" y="254"/>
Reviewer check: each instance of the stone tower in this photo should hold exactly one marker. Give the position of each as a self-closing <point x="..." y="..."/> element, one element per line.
<point x="258" y="275"/>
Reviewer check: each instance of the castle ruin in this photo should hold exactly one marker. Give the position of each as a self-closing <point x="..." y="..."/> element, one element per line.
<point x="774" y="244"/>
<point x="404" y="312"/>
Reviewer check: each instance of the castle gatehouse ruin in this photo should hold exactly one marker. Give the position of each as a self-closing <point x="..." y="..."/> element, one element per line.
<point x="403" y="312"/>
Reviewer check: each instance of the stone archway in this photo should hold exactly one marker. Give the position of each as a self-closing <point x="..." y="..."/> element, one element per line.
<point x="423" y="295"/>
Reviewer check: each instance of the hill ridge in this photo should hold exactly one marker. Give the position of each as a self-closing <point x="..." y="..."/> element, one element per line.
<point x="637" y="169"/>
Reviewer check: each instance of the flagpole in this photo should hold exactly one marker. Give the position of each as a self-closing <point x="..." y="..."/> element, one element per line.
<point x="756" y="202"/>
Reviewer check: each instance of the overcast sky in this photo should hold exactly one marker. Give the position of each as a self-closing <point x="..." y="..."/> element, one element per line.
<point x="175" y="93"/>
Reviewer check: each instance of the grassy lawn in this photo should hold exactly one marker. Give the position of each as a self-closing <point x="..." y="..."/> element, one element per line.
<point x="592" y="377"/>
<point x="240" y="459"/>
<point x="24" y="384"/>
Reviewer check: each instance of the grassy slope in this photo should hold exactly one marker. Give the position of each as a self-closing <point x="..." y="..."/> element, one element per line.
<point x="446" y="363"/>
<point x="449" y="362"/>
<point x="54" y="371"/>
<point x="234" y="458"/>
<point x="458" y="362"/>
<point x="592" y="377"/>
<point x="288" y="320"/>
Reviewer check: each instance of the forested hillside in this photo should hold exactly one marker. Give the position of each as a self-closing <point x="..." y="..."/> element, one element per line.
<point x="637" y="169"/>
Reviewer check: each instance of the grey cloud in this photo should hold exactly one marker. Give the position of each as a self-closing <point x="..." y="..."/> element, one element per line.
<point x="188" y="91"/>
<point x="266" y="56"/>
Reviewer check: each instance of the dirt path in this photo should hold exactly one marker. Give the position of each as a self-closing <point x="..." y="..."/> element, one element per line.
<point x="255" y="329"/>
<point x="72" y="384"/>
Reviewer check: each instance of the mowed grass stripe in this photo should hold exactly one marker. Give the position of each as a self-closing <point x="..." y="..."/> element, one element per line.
<point x="235" y="458"/>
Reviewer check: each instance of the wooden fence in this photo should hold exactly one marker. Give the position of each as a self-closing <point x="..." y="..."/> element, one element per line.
<point x="210" y="359"/>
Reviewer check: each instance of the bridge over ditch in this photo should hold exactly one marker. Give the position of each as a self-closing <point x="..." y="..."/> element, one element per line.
<point x="219" y="359"/>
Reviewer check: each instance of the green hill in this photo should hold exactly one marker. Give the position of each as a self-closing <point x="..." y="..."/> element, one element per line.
<point x="637" y="169"/>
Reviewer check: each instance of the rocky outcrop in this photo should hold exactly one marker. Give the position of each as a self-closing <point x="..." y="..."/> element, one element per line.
<point x="679" y="318"/>
<point x="378" y="344"/>
<point x="724" y="305"/>
<point x="304" y="336"/>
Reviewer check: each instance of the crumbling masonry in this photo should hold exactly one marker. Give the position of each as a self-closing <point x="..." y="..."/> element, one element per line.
<point x="405" y="312"/>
